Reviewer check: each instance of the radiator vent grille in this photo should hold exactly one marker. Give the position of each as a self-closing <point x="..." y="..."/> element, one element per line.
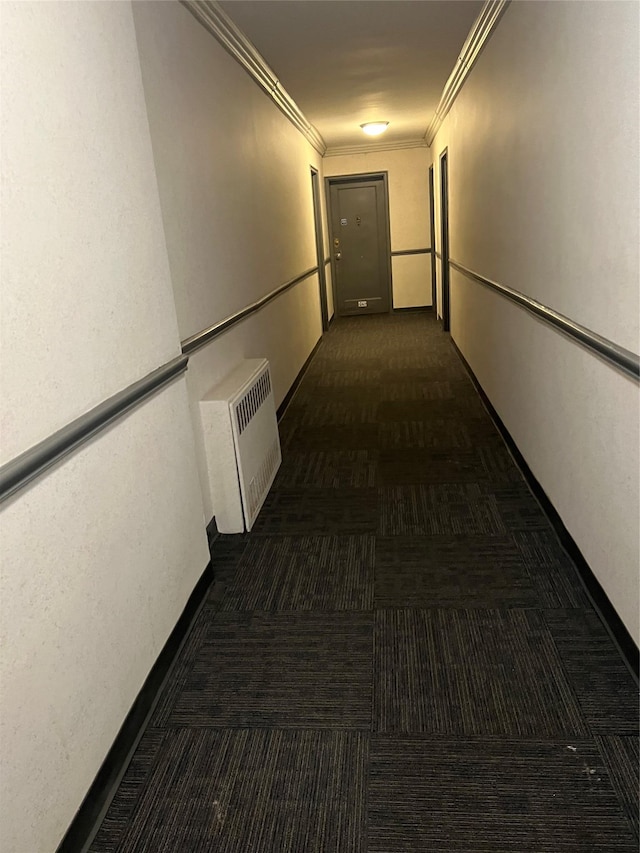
<point x="248" y="405"/>
<point x="261" y="483"/>
<point x="242" y="444"/>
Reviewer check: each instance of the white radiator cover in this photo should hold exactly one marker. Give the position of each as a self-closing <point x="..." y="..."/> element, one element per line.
<point x="242" y="444"/>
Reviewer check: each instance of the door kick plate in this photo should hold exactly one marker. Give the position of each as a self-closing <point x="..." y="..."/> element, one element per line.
<point x="354" y="304"/>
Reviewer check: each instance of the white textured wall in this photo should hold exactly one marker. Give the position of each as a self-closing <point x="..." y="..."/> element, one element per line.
<point x="235" y="188"/>
<point x="543" y="172"/>
<point x="408" y="214"/>
<point x="100" y="554"/>
<point x="99" y="559"/>
<point x="75" y="220"/>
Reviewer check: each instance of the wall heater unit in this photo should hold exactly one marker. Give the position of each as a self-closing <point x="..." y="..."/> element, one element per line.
<point x="242" y="444"/>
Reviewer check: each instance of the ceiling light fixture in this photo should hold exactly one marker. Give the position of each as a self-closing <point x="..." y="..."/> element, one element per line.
<point x="374" y="128"/>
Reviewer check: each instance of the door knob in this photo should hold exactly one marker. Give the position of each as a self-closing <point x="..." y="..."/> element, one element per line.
<point x="338" y="256"/>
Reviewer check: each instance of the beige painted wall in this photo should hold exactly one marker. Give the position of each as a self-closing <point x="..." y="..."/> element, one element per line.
<point x="408" y="214"/>
<point x="100" y="554"/>
<point x="235" y="187"/>
<point x="543" y="171"/>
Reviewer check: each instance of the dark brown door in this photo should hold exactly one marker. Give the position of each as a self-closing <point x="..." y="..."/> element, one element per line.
<point x="360" y="245"/>
<point x="432" y="243"/>
<point x="444" y="239"/>
<point x="317" y="217"/>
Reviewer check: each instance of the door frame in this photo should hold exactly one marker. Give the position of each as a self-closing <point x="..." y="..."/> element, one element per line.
<point x="444" y="239"/>
<point x="359" y="177"/>
<point x="432" y="242"/>
<point x="317" y="219"/>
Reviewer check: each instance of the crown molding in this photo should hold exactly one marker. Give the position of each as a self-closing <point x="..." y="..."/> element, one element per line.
<point x="364" y="148"/>
<point x="210" y="14"/>
<point x="480" y="32"/>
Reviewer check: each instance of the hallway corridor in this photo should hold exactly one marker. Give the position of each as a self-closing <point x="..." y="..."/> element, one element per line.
<point x="400" y="656"/>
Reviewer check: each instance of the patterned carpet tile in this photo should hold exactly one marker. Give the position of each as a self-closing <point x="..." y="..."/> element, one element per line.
<point x="400" y="388"/>
<point x="492" y="796"/>
<point x="605" y="688"/>
<point x="551" y="570"/>
<point x="522" y="570"/>
<point x="180" y="673"/>
<point x="329" y="412"/>
<point x="621" y="757"/>
<point x="425" y="410"/>
<point x="557" y="590"/>
<point x="441" y="435"/>
<point x="271" y="670"/>
<point x="336" y="437"/>
<point x="318" y="512"/>
<point x="419" y="372"/>
<point x="498" y="464"/>
<point x="287" y="427"/>
<point x="418" y="362"/>
<point x="226" y="553"/>
<point x="315" y="402"/>
<point x="518" y="507"/>
<point x="449" y="509"/>
<point x="335" y="359"/>
<point x="500" y="715"/>
<point x="414" y="466"/>
<point x="304" y="573"/>
<point x="541" y="549"/>
<point x="444" y="571"/>
<point x="483" y="431"/>
<point x="250" y="792"/>
<point x="469" y="672"/>
<point x="349" y="378"/>
<point x="328" y="469"/>
<point x="123" y="805"/>
<point x="459" y="393"/>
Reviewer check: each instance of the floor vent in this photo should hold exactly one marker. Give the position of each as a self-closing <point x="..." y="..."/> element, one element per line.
<point x="241" y="443"/>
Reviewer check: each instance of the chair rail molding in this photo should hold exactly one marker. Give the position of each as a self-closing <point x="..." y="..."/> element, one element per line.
<point x="402" y="252"/>
<point x="622" y="358"/>
<point x="200" y="339"/>
<point x="19" y="472"/>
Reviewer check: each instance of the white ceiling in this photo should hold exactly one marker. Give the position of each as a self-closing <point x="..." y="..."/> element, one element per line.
<point x="345" y="62"/>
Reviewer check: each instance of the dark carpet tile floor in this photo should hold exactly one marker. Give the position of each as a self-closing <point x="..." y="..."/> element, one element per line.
<point x="413" y="466"/>
<point x="620" y="755"/>
<point x="450" y="509"/>
<point x="235" y="791"/>
<point x="400" y="657"/>
<point x="304" y="573"/>
<point x="296" y="669"/>
<point x="503" y="795"/>
<point x="471" y="671"/>
<point x="330" y="469"/>
<point x="452" y="571"/>
<point x="307" y="511"/>
<point x="598" y="675"/>
<point x="338" y="438"/>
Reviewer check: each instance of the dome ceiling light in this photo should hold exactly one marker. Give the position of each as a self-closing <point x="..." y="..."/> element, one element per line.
<point x="374" y="128"/>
